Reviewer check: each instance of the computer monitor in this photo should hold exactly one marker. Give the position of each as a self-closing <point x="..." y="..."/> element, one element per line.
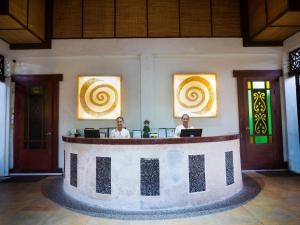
<point x="162" y="132"/>
<point x="170" y="132"/>
<point x="136" y="134"/>
<point x="91" y="133"/>
<point x="191" y="133"/>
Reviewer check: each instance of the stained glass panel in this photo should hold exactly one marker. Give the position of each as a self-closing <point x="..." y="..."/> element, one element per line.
<point x="250" y="112"/>
<point x="258" y="84"/>
<point x="35" y="125"/>
<point x="260" y="112"/>
<point x="269" y="112"/>
<point x="249" y="85"/>
<point x="261" y="140"/>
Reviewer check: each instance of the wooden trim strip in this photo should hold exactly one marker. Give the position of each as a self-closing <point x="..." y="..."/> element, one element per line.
<point x="115" y="18"/>
<point x="82" y="18"/>
<point x="249" y="43"/>
<point x="27" y="77"/>
<point x="149" y="141"/>
<point x="211" y="19"/>
<point x="4" y="7"/>
<point x="147" y="18"/>
<point x="266" y="11"/>
<point x="244" y="19"/>
<point x="13" y="29"/>
<point x="179" y="18"/>
<point x="14" y="170"/>
<point x="294" y="5"/>
<point x="27" y="14"/>
<point x="249" y="73"/>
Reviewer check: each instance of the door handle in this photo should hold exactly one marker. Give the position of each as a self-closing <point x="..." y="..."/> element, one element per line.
<point x="247" y="128"/>
<point x="49" y="133"/>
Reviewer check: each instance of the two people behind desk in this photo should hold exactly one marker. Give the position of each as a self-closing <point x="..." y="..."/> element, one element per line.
<point x="121" y="132"/>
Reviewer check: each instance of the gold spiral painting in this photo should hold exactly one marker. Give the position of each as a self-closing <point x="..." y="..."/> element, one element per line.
<point x="99" y="97"/>
<point x="195" y="94"/>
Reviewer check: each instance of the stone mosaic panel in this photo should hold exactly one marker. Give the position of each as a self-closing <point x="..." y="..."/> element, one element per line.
<point x="149" y="177"/>
<point x="73" y="169"/>
<point x="103" y="175"/>
<point x="64" y="164"/>
<point x="197" y="173"/>
<point x="229" y="168"/>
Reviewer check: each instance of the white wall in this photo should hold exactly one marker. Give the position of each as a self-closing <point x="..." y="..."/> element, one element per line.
<point x="293" y="148"/>
<point x="4" y="48"/>
<point x="147" y="66"/>
<point x="4" y="139"/>
<point x="2" y="127"/>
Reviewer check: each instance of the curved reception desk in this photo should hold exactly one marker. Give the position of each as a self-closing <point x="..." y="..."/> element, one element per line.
<point x="152" y="174"/>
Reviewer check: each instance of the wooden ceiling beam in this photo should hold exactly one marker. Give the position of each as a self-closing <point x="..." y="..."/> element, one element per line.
<point x="268" y="22"/>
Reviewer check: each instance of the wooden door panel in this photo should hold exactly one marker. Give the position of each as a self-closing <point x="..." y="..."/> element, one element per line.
<point x="260" y="119"/>
<point x="36" y="123"/>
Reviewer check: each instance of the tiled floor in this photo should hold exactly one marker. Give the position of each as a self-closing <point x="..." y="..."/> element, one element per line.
<point x="278" y="203"/>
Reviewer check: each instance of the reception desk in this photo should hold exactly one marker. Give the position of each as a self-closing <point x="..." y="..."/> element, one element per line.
<point x="151" y="174"/>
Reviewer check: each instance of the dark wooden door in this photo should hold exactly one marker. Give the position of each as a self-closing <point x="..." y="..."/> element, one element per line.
<point x="36" y="123"/>
<point x="260" y="119"/>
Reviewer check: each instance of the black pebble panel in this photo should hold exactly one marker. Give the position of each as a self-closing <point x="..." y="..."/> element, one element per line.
<point x="103" y="175"/>
<point x="229" y="168"/>
<point x="64" y="164"/>
<point x="73" y="169"/>
<point x="197" y="173"/>
<point x="149" y="177"/>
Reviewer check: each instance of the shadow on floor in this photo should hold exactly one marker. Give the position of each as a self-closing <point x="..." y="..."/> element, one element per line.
<point x="284" y="173"/>
<point x="22" y="179"/>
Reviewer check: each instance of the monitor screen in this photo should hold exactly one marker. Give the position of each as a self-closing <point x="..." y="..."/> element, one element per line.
<point x="162" y="132"/>
<point x="170" y="132"/>
<point x="191" y="133"/>
<point x="91" y="133"/>
<point x="136" y="134"/>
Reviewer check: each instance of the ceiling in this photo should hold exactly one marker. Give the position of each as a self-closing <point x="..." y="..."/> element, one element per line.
<point x="29" y="24"/>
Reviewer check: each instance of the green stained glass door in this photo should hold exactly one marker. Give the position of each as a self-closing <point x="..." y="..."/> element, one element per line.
<point x="260" y="119"/>
<point x="260" y="112"/>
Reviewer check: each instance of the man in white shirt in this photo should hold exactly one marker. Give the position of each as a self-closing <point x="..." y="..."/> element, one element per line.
<point x="120" y="131"/>
<point x="185" y="125"/>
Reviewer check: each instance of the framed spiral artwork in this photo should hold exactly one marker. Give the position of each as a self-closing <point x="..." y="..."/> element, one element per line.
<point x="99" y="97"/>
<point x="195" y="94"/>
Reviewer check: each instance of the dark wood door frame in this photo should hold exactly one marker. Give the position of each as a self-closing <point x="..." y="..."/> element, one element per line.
<point x="54" y="79"/>
<point x="252" y="74"/>
<point x="297" y="80"/>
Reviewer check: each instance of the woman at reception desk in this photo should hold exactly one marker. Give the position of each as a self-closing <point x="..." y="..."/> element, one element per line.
<point x="185" y="118"/>
<point x="139" y="174"/>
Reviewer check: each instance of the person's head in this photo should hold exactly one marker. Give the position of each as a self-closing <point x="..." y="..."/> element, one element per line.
<point x="185" y="120"/>
<point x="146" y="122"/>
<point x="120" y="122"/>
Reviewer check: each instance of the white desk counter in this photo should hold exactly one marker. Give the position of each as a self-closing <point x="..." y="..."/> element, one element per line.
<point x="149" y="174"/>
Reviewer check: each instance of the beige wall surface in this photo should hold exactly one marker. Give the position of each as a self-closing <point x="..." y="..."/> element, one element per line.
<point x="147" y="67"/>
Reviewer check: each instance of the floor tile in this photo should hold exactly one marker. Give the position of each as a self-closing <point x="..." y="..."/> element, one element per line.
<point x="278" y="203"/>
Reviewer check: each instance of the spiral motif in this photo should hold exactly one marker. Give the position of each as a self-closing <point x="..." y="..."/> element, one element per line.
<point x="195" y="93"/>
<point x="98" y="99"/>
